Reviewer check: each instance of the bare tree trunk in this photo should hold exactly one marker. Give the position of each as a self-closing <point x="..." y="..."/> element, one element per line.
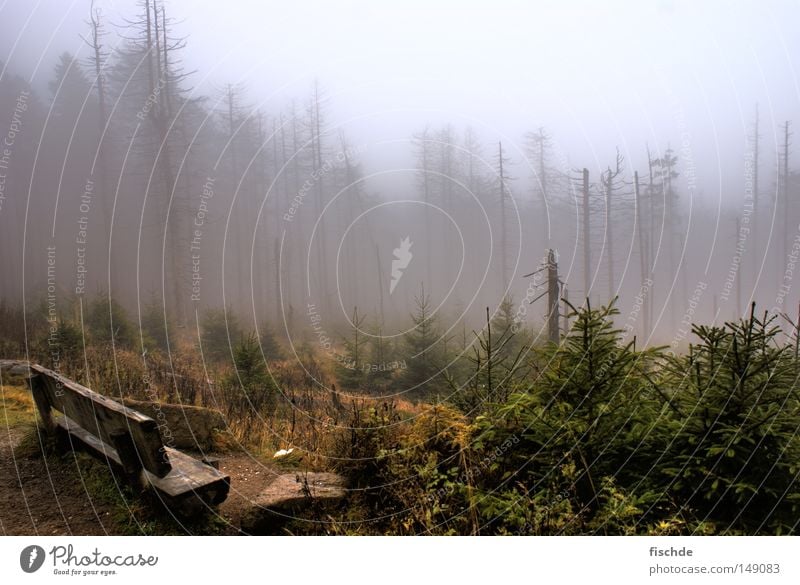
<point x="755" y="245"/>
<point x="786" y="209"/>
<point x="380" y="286"/>
<point x="158" y="42"/>
<point x="171" y="222"/>
<point x="261" y="245"/>
<point x="609" y="236"/>
<point x="552" y="297"/>
<point x="650" y="235"/>
<point x="149" y="38"/>
<point x="587" y="251"/>
<point x="320" y="200"/>
<point x="503" y="230"/>
<point x="542" y="168"/>
<point x="102" y="144"/>
<point x="280" y="167"/>
<point x="159" y="117"/>
<point x="352" y="249"/>
<point x="609" y="182"/>
<point x="670" y="217"/>
<point x="277" y="262"/>
<point x="427" y="195"/>
<point x="738" y="274"/>
<point x="642" y="256"/>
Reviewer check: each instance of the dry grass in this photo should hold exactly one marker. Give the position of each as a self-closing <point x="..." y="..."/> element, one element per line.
<point x="309" y="416"/>
<point x="16" y="406"/>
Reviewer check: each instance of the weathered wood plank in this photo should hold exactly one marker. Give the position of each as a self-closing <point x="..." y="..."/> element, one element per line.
<point x="126" y="450"/>
<point x="102" y="416"/>
<point x="128" y="440"/>
<point x="188" y="478"/>
<point x="42" y="402"/>
<point x="15" y="367"/>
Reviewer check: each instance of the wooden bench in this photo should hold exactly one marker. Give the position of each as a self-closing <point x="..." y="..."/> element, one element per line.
<point x="127" y="439"/>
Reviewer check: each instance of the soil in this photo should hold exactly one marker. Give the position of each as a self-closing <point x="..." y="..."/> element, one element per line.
<point x="249" y="477"/>
<point x="40" y="495"/>
<point x="45" y="495"/>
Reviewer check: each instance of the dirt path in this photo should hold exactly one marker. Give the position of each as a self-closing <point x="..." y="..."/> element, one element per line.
<point x="61" y="493"/>
<point x="248" y="478"/>
<point x="51" y="496"/>
<point x="39" y="495"/>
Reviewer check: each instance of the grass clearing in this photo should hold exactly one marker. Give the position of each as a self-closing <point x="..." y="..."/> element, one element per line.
<point x="17" y="411"/>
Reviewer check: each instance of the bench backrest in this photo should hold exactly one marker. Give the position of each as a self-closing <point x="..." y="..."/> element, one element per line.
<point x="102" y="416"/>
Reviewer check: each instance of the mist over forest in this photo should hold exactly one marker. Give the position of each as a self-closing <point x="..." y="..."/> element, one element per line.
<point x="508" y="267"/>
<point x="137" y="169"/>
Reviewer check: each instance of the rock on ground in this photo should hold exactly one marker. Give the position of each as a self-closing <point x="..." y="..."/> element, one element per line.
<point x="293" y="496"/>
<point x="182" y="426"/>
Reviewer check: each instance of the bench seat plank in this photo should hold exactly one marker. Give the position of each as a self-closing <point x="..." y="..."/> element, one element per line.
<point x="187" y="478"/>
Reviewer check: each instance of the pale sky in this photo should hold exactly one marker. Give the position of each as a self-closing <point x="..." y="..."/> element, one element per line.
<point x="597" y="75"/>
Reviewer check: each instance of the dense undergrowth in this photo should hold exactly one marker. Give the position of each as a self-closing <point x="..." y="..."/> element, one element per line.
<point x="503" y="435"/>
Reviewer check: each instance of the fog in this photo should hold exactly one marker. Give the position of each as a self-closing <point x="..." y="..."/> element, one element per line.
<point x="292" y="162"/>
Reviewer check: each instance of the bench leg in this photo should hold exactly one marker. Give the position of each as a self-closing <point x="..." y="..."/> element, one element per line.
<point x="42" y="403"/>
<point x="131" y="464"/>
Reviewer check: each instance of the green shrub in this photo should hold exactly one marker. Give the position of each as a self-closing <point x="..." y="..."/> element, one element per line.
<point x="350" y="363"/>
<point x="219" y="331"/>
<point x="491" y="371"/>
<point x="108" y="322"/>
<point x="270" y="347"/>
<point x="62" y="347"/>
<point x="250" y="389"/>
<point x="734" y="455"/>
<point x="423" y="353"/>
<point x="156" y="327"/>
<point x="591" y="404"/>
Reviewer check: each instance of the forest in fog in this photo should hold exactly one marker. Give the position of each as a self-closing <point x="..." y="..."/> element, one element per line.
<point x="537" y="280"/>
<point x="121" y="180"/>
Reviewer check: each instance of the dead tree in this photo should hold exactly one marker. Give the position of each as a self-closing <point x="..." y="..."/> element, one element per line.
<point x="234" y="122"/>
<point x="160" y="47"/>
<point x="381" y="314"/>
<point x="587" y="247"/>
<point x="316" y="127"/>
<point x="538" y="144"/>
<point x="277" y="264"/>
<point x="666" y="173"/>
<point x="261" y="240"/>
<point x="611" y="188"/>
<point x="290" y="235"/>
<point x="151" y="46"/>
<point x="97" y="61"/>
<point x="553" y="286"/>
<point x="553" y="289"/>
<point x="785" y="193"/>
<point x="446" y="166"/>
<point x="738" y="276"/>
<point x="643" y="272"/>
<point x="756" y="143"/>
<point x="502" y="162"/>
<point x="422" y="142"/>
<point x="650" y="244"/>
